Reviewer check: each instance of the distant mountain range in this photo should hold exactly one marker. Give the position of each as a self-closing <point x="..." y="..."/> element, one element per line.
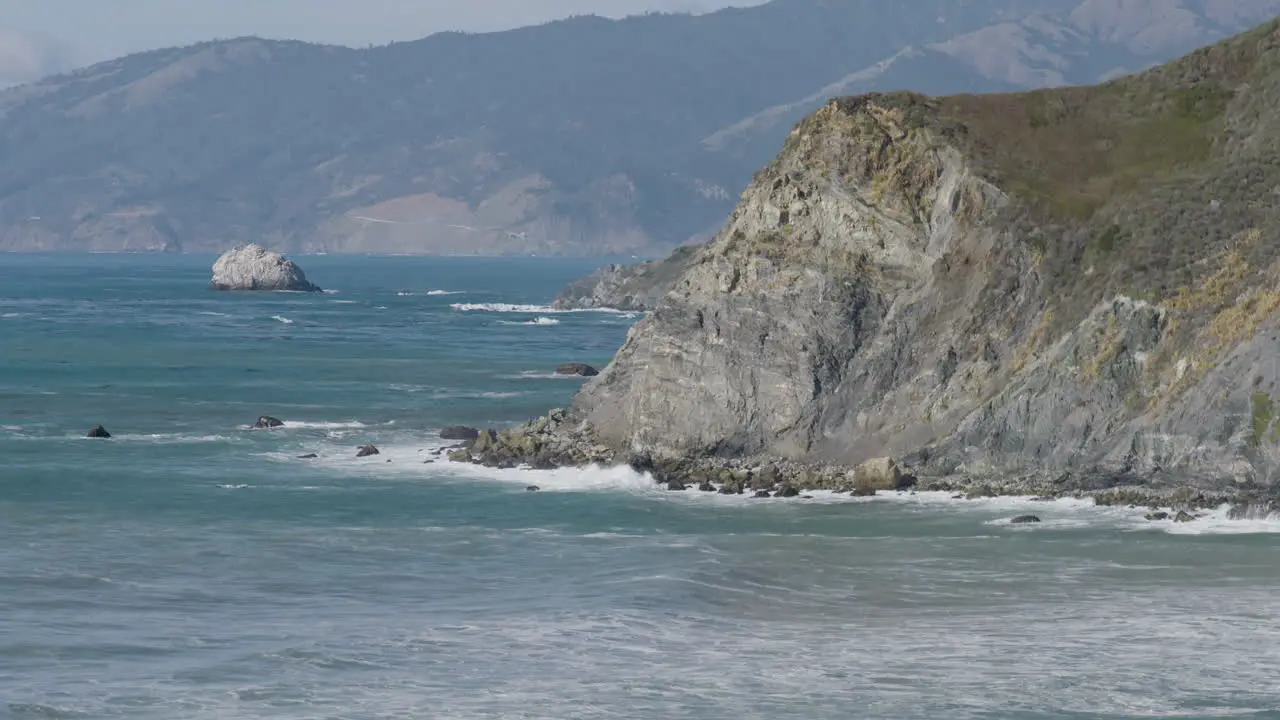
<point x="580" y="137"/>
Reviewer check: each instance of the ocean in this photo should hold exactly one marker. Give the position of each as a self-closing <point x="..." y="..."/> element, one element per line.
<point x="193" y="568"/>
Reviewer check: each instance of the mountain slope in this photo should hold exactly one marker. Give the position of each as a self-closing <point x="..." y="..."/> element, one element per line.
<point x="1075" y="285"/>
<point x="577" y="137"/>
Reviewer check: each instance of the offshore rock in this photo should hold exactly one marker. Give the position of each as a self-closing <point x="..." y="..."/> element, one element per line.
<point x="459" y="432"/>
<point x="366" y="451"/>
<point x="253" y="267"/>
<point x="266" y="422"/>
<point x="580" y="369"/>
<point x="1024" y="519"/>
<point x="98" y="432"/>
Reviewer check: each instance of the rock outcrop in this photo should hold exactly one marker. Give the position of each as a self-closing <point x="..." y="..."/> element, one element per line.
<point x="367" y="451"/>
<point x="459" y="432"/>
<point x="636" y="288"/>
<point x="1061" y="292"/>
<point x="253" y="267"/>
<point x="266" y="422"/>
<point x="579" y="369"/>
<point x="98" y="432"/>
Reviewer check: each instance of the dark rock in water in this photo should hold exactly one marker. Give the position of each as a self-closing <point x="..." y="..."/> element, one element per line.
<point x="675" y="485"/>
<point x="99" y="432"/>
<point x="1184" y="517"/>
<point x="806" y="497"/>
<point x="762" y="494"/>
<point x="579" y="369"/>
<point x="309" y="456"/>
<point x="1158" y="516"/>
<point x="266" y="422"/>
<point x="366" y="451"/>
<point x="788" y="491"/>
<point x="532" y="488"/>
<point x="706" y="487"/>
<point x="863" y="492"/>
<point x="957" y="497"/>
<point x="459" y="432"/>
<point x="460" y="456"/>
<point x="1024" y="519"/>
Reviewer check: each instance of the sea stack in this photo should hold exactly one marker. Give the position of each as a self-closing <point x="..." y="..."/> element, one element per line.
<point x="253" y="267"/>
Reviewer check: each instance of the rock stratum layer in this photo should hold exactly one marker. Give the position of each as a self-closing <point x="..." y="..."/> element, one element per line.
<point x="253" y="267"/>
<point x="1072" y="290"/>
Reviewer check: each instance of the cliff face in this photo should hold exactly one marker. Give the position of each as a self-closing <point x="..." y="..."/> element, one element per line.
<point x="1075" y="280"/>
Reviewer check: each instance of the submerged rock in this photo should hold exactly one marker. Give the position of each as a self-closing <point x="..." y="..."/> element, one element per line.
<point x="1158" y="516"/>
<point x="253" y="267"/>
<point x="1024" y="519"/>
<point x="308" y="456"/>
<point x="580" y="369"/>
<point x="532" y="488"/>
<point x="1183" y="517"/>
<point x="459" y="432"/>
<point x="367" y="450"/>
<point x="99" y="432"/>
<point x="266" y="422"/>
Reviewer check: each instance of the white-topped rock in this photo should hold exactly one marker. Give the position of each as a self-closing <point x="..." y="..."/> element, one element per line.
<point x="253" y="267"/>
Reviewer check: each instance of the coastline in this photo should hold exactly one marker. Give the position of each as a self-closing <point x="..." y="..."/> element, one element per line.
<point x="556" y="440"/>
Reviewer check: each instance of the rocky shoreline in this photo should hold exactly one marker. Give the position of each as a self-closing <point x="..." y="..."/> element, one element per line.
<point x="556" y="440"/>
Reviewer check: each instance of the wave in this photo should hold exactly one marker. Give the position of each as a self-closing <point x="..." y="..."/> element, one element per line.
<point x="11" y="315"/>
<point x="283" y="319"/>
<point x="323" y="425"/>
<point x="343" y="302"/>
<point x="211" y="313"/>
<point x="235" y="487"/>
<point x="541" y="375"/>
<point x="445" y="292"/>
<point x="535" y="321"/>
<point x="536" y="309"/>
<point x="331" y="292"/>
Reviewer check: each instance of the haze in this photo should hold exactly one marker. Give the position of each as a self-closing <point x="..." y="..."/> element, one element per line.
<point x="38" y="38"/>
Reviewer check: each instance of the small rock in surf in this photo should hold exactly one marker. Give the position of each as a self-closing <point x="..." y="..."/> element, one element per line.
<point x="1184" y="517"/>
<point x="1023" y="519"/>
<point x="308" y="456"/>
<point x="578" y="369"/>
<point x="459" y="432"/>
<point x="1158" y="516"/>
<point x="532" y="488"/>
<point x="366" y="451"/>
<point x="762" y="494"/>
<point x="266" y="422"/>
<point x="98" y="432"/>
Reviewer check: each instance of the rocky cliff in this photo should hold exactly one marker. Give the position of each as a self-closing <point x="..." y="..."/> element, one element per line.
<point x="638" y="287"/>
<point x="1075" y="286"/>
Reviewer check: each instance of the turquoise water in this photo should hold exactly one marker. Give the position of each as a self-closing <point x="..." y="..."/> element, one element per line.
<point x="192" y="568"/>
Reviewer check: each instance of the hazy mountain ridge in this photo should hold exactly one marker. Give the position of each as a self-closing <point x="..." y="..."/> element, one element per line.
<point x="585" y="136"/>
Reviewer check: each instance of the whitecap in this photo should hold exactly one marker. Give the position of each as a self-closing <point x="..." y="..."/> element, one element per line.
<point x="331" y="292"/>
<point x="324" y="425"/>
<point x="283" y="319"/>
<point x="343" y="302"/>
<point x="445" y="292"/>
<point x="514" y="308"/>
<point x="211" y="313"/>
<point x="11" y="315"/>
<point x="235" y="487"/>
<point x="536" y="321"/>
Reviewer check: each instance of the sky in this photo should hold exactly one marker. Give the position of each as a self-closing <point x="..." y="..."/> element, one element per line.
<point x="38" y="37"/>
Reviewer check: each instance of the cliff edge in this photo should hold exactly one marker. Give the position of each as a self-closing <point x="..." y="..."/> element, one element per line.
<point x="1076" y="285"/>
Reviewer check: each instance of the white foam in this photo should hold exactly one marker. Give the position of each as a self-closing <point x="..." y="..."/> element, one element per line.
<point x="343" y="302"/>
<point x="538" y="309"/>
<point x="404" y="293"/>
<point x="11" y="315"/>
<point x="324" y="425"/>
<point x="445" y="292"/>
<point x="235" y="487"/>
<point x="535" y="321"/>
<point x="331" y="292"/>
<point x="210" y="313"/>
<point x="283" y="319"/>
<point x="540" y="375"/>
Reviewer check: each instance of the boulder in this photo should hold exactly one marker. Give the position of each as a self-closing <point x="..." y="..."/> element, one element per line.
<point x="99" y="432"/>
<point x="459" y="432"/>
<point x="532" y="488"/>
<point x="1158" y="516"/>
<point x="706" y="486"/>
<point x="366" y="451"/>
<point x="579" y="369"/>
<point x="1184" y="517"/>
<point x="463" y="455"/>
<point x="1024" y="519"/>
<point x="787" y="491"/>
<point x="878" y="474"/>
<point x="863" y="492"/>
<point x="675" y="485"/>
<point x="308" y="456"/>
<point x="762" y="494"/>
<point x="253" y="267"/>
<point x="266" y="422"/>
